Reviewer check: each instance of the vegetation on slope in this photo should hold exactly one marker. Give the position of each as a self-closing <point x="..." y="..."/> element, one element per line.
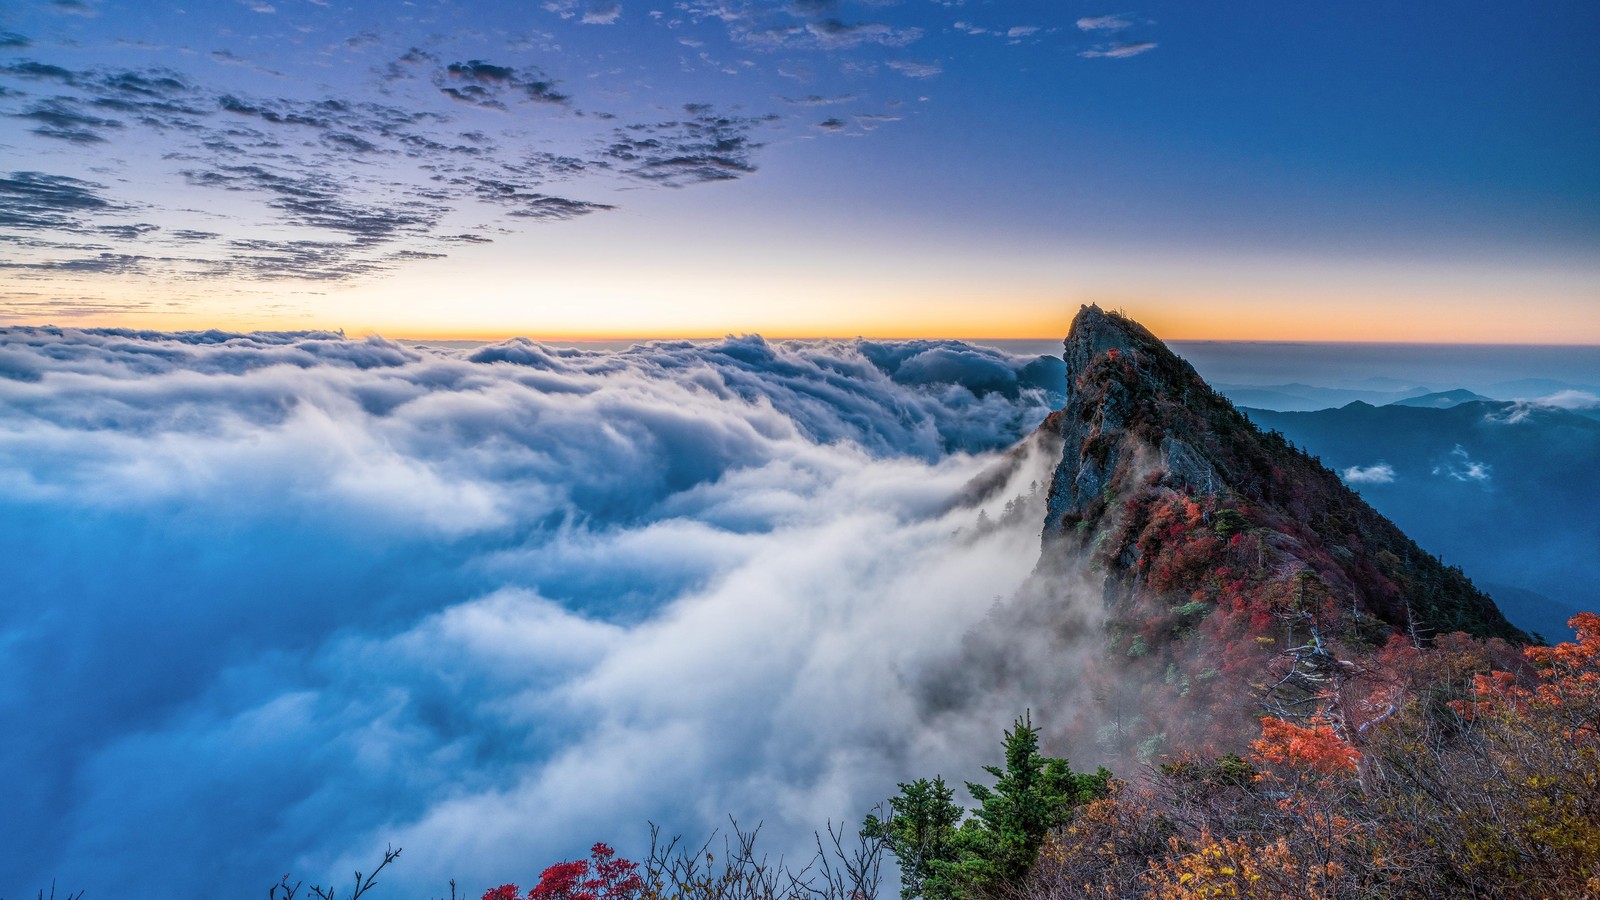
<point x="1480" y="782"/>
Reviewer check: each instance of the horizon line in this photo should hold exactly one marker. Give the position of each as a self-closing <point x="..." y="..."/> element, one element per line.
<point x="490" y="338"/>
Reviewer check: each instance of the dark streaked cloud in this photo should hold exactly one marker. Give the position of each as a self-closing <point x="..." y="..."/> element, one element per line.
<point x="100" y="264"/>
<point x="591" y="12"/>
<point x="836" y="34"/>
<point x="272" y="260"/>
<point x="23" y="305"/>
<point x="524" y="203"/>
<point x="485" y="84"/>
<point x="62" y="119"/>
<point x="318" y="201"/>
<point x="704" y="147"/>
<point x="363" y="171"/>
<point x="38" y="71"/>
<point x="128" y="232"/>
<point x="37" y="201"/>
<point x="818" y="100"/>
<point x="312" y="164"/>
<point x="796" y="24"/>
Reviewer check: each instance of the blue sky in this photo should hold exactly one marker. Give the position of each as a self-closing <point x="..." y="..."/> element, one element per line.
<point x="1355" y="171"/>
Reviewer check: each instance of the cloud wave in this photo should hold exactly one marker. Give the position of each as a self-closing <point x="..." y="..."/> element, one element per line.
<point x="275" y="600"/>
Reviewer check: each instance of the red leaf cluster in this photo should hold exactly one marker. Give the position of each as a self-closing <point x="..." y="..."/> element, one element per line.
<point x="603" y="876"/>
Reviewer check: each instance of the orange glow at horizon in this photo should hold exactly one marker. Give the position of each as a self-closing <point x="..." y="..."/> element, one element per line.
<point x="982" y="296"/>
<point x="1186" y="320"/>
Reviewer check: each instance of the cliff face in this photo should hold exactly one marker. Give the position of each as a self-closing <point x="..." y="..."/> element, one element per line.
<point x="1121" y="382"/>
<point x="1239" y="573"/>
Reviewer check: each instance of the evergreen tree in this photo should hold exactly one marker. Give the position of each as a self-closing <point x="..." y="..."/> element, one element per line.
<point x="1033" y="794"/>
<point x="920" y="831"/>
<point x="998" y="844"/>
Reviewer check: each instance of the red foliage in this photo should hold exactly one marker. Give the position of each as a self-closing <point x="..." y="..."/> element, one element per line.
<point x="562" y="881"/>
<point x="603" y="876"/>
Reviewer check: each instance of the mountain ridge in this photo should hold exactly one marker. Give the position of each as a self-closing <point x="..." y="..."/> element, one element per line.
<point x="1237" y="572"/>
<point x="1505" y="489"/>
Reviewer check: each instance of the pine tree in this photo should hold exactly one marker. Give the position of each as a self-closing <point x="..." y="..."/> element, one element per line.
<point x="1033" y="794"/>
<point x="920" y="831"/>
<point x="998" y="844"/>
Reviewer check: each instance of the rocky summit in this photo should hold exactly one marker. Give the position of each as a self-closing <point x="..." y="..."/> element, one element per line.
<point x="1239" y="575"/>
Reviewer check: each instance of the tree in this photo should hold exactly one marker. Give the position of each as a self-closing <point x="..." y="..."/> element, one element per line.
<point x="603" y="876"/>
<point x="997" y="845"/>
<point x="920" y="831"/>
<point x="1032" y="795"/>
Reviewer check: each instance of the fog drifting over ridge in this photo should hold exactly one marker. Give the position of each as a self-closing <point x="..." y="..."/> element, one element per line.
<point x="276" y="601"/>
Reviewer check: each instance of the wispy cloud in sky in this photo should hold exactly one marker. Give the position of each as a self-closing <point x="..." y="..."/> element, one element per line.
<point x="324" y="148"/>
<point x="1119" y="51"/>
<point x="390" y="163"/>
<point x="1107" y="26"/>
<point x="1377" y="473"/>
<point x="1103" y="23"/>
<point x="363" y="185"/>
<point x="912" y="69"/>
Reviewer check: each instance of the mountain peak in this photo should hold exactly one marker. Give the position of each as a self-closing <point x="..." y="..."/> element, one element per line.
<point x="1095" y="331"/>
<point x="1228" y="558"/>
<point x="1130" y="402"/>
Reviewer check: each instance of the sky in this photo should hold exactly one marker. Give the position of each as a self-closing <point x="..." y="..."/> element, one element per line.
<point x="617" y="168"/>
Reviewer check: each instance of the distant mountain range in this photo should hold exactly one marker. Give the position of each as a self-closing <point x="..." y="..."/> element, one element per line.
<point x="1299" y="397"/>
<point x="1509" y="491"/>
<point x="1441" y="399"/>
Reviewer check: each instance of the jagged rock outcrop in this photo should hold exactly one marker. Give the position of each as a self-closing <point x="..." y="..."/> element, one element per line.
<point x="1238" y="572"/>
<point x="1094" y="424"/>
<point x="1140" y="422"/>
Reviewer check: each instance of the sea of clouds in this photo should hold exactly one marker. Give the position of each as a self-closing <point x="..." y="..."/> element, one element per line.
<point x="275" y="601"/>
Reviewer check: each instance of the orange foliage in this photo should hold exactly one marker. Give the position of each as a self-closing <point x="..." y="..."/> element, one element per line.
<point x="1567" y="685"/>
<point x="1316" y="749"/>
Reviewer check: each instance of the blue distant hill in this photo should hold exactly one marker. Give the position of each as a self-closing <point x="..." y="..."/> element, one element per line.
<point x="1441" y="399"/>
<point x="1505" y="490"/>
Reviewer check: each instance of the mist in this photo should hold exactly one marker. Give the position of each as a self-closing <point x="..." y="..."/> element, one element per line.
<point x="276" y="601"/>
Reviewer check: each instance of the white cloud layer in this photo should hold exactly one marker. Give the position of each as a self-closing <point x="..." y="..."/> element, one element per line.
<point x="1570" y="399"/>
<point x="275" y="601"/>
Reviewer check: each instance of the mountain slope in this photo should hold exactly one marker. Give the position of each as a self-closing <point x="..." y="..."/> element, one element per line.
<point x="1506" y="489"/>
<point x="1237" y="572"/>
